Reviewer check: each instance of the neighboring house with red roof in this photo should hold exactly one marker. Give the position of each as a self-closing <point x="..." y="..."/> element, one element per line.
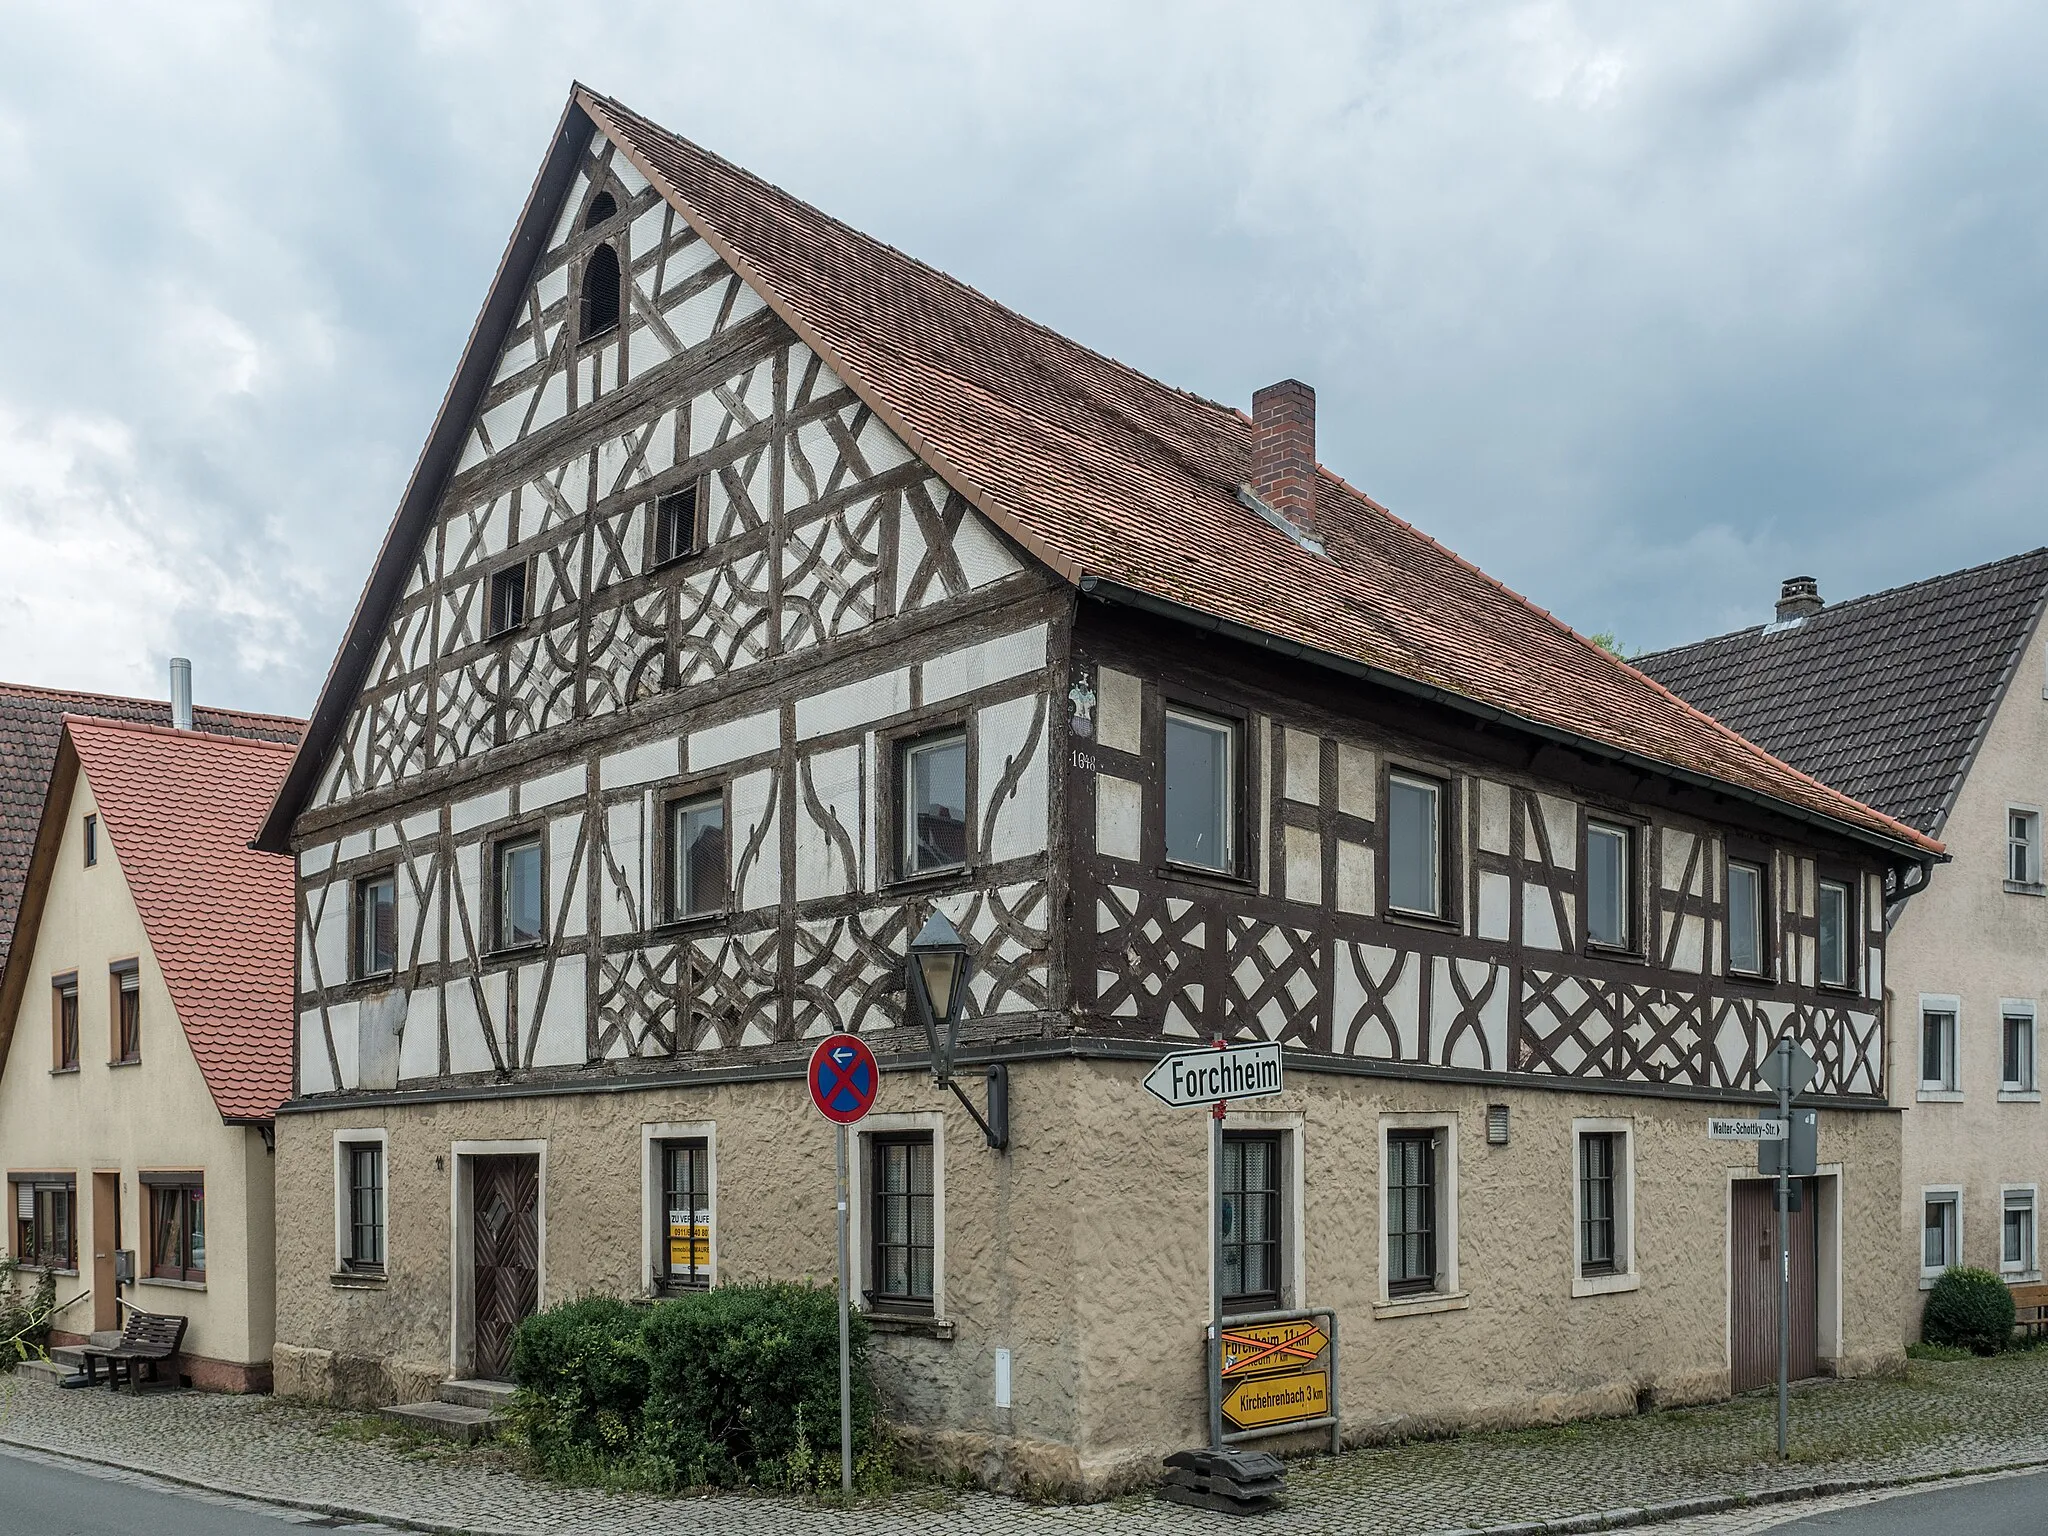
<point x="761" y="594"/>
<point x="1930" y="701"/>
<point x="145" y="1037"/>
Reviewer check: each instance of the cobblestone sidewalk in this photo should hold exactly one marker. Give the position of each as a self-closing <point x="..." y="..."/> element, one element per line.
<point x="1941" y="1420"/>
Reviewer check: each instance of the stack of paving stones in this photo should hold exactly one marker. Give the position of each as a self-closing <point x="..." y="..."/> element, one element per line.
<point x="1229" y="1482"/>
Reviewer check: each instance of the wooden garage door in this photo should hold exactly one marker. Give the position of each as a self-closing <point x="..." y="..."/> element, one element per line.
<point x="1753" y="1310"/>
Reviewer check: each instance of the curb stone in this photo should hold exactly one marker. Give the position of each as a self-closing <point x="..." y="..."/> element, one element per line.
<point x="1716" y="1504"/>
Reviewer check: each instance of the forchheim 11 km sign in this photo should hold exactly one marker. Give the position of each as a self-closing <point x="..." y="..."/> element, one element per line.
<point x="1189" y="1078"/>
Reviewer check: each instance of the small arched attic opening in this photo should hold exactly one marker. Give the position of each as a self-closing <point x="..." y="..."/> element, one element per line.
<point x="600" y="292"/>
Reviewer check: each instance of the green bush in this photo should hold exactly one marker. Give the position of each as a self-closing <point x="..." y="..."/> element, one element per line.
<point x="744" y="1386"/>
<point x="1969" y="1309"/>
<point x="26" y="1312"/>
<point x="733" y="1387"/>
<point x="583" y="1376"/>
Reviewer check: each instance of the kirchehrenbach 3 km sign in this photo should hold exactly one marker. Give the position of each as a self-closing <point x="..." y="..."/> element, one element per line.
<point x="1188" y="1078"/>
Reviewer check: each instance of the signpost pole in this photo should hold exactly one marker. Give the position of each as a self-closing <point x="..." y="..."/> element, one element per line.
<point x="1216" y="1274"/>
<point x="1784" y="1242"/>
<point x="845" y="1348"/>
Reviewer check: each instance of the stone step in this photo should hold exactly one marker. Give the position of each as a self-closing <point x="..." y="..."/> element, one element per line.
<point x="494" y="1395"/>
<point x="106" y="1338"/>
<point x="42" y="1370"/>
<point x="451" y="1421"/>
<point x="70" y="1356"/>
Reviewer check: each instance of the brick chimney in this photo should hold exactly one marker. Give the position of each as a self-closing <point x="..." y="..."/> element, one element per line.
<point x="1284" y="452"/>
<point x="1798" y="597"/>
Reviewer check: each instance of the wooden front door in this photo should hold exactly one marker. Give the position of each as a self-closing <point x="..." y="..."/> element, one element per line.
<point x="106" y="1242"/>
<point x="1753" y="1278"/>
<point x="505" y="1226"/>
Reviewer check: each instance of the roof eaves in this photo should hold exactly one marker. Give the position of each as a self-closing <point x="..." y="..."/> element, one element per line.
<point x="2014" y="656"/>
<point x="1908" y="847"/>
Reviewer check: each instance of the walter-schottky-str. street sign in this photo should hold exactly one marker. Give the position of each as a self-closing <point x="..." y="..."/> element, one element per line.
<point x="1188" y="1078"/>
<point x="1737" y="1128"/>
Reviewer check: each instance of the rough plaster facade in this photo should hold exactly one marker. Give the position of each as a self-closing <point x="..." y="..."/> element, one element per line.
<point x="156" y="1114"/>
<point x="1971" y="942"/>
<point x="1084" y="1251"/>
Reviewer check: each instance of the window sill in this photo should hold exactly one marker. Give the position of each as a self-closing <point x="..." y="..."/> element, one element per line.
<point x="1619" y="953"/>
<point x="693" y="921"/>
<point x="2026" y="888"/>
<point x="1606" y="1285"/>
<point x="1749" y="978"/>
<point x="1422" y="920"/>
<point x="910" y="1323"/>
<point x="63" y="1071"/>
<point x="357" y="1280"/>
<point x="929" y="877"/>
<point x="1418" y="1306"/>
<point x="2019" y="1095"/>
<point x="1929" y="1276"/>
<point x="126" y="1061"/>
<point x="512" y="951"/>
<point x="1195" y="874"/>
<point x="1940" y="1095"/>
<point x="175" y="1285"/>
<point x="2020" y="1276"/>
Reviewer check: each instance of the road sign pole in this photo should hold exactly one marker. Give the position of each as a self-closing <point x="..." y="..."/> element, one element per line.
<point x="845" y="1347"/>
<point x="1216" y="1281"/>
<point x="1784" y="1245"/>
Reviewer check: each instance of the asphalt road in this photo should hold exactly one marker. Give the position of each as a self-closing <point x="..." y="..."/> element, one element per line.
<point x="45" y="1497"/>
<point x="1999" y="1506"/>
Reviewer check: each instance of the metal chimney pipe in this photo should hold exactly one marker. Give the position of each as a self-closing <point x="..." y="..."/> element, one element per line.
<point x="181" y="693"/>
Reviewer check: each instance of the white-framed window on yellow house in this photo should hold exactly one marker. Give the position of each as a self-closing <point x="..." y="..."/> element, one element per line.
<point x="1603" y="1207"/>
<point x="46" y="1221"/>
<point x="1941" y="1231"/>
<point x="2016" y="1079"/>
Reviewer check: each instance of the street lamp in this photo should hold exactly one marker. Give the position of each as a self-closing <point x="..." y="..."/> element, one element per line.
<point x="937" y="971"/>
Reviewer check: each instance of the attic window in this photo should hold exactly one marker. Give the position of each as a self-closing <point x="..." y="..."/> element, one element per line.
<point x="600" y="292"/>
<point x="675" y="525"/>
<point x="508" y="600"/>
<point x="602" y="207"/>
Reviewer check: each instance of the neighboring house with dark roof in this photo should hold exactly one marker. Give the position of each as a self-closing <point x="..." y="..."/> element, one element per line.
<point x="762" y="594"/>
<point x="1930" y="702"/>
<point x="145" y="1038"/>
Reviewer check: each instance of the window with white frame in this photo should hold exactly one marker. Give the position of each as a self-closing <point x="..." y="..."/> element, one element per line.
<point x="684" y="1250"/>
<point x="360" y="1213"/>
<point x="1415" y="845"/>
<point x="696" y="856"/>
<point x="1938" y="1045"/>
<point x="2016" y="1253"/>
<point x="1837" y="913"/>
<point x="934" y="803"/>
<point x="1603" y="1206"/>
<point x="1746" y="952"/>
<point x="1201" y="791"/>
<point x="2023" y="846"/>
<point x="1941" y="1230"/>
<point x="1610" y="884"/>
<point x="2016" y="1048"/>
<point x="903" y="1229"/>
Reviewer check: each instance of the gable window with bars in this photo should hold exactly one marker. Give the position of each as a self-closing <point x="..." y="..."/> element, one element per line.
<point x="902" y="1264"/>
<point x="1249" y="1212"/>
<point x="686" y="1207"/>
<point x="126" y="979"/>
<point x="1411" y="1212"/>
<point x="364" y="1226"/>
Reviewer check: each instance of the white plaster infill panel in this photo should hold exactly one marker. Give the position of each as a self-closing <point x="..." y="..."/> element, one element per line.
<point x="552" y="790"/>
<point x="748" y="736"/>
<point x="640" y="765"/>
<point x="479" y="810"/>
<point x="1119" y="710"/>
<point x="865" y="701"/>
<point x="977" y="666"/>
<point x="1119" y="816"/>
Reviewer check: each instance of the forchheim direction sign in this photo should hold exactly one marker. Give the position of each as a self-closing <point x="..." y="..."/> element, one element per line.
<point x="1189" y="1078"/>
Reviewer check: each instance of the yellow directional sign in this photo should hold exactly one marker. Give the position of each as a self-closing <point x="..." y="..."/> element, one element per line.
<point x="1259" y="1402"/>
<point x="1271" y="1347"/>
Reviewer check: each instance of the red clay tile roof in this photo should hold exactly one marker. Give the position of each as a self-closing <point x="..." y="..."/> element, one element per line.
<point x="31" y="719"/>
<point x="179" y="808"/>
<point x="1107" y="476"/>
<point x="1103" y="472"/>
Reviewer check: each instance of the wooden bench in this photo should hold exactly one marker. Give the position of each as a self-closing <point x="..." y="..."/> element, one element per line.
<point x="150" y="1337"/>
<point x="2030" y="1310"/>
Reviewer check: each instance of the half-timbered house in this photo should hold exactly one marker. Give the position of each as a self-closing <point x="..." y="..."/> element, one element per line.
<point x="761" y="591"/>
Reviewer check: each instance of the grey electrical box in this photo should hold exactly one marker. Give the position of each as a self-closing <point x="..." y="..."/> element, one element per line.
<point x="1801" y="1147"/>
<point x="124" y="1266"/>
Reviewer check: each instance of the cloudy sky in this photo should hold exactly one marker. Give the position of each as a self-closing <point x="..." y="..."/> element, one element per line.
<point x="1641" y="307"/>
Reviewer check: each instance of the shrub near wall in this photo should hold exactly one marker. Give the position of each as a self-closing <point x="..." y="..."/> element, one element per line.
<point x="1969" y="1309"/>
<point x="729" y="1388"/>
